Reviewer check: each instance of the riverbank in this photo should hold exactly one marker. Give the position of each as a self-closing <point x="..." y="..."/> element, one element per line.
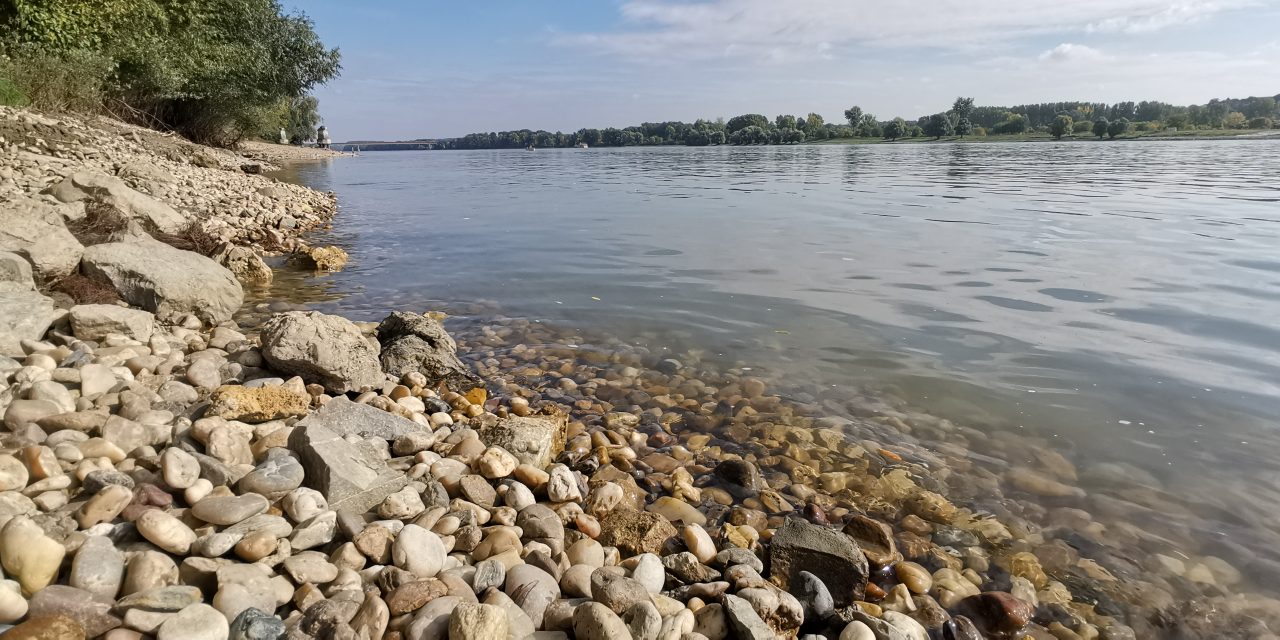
<point x="171" y="474"/>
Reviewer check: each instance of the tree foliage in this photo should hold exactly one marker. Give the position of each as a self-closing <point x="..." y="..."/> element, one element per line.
<point x="738" y="123"/>
<point x="894" y="129"/>
<point x="963" y="127"/>
<point x="938" y="125"/>
<point x="214" y="70"/>
<point x="1061" y="126"/>
<point x="853" y="115"/>
<point x="1117" y="128"/>
<point x="1100" y="127"/>
<point x="1235" y="120"/>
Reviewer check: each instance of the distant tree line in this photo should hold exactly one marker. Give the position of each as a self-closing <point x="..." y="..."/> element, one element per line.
<point x="963" y="119"/>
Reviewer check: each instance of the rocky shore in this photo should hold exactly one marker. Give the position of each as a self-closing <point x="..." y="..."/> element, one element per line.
<point x="165" y="473"/>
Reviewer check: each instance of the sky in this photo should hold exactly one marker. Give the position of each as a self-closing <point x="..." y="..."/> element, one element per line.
<point x="426" y="69"/>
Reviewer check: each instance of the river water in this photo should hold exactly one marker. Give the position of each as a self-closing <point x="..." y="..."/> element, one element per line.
<point x="1118" y="299"/>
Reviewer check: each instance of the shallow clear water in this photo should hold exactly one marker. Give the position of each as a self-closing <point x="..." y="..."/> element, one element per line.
<point x="1120" y="298"/>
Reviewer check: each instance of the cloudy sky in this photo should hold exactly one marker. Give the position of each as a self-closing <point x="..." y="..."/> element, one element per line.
<point x="418" y="68"/>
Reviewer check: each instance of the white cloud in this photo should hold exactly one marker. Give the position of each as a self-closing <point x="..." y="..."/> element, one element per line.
<point x="1068" y="52"/>
<point x="798" y="29"/>
<point x="1173" y="15"/>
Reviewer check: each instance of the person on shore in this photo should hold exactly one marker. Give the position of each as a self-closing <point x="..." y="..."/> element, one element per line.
<point x="284" y="137"/>
<point x="322" y="138"/>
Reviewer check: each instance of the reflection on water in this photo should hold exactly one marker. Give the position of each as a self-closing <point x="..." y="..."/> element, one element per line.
<point x="1117" y="299"/>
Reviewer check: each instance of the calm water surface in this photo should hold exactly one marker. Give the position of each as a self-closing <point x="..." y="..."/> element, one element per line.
<point x="1119" y="298"/>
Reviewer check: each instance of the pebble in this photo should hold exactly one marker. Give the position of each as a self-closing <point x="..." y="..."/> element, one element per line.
<point x="28" y="555"/>
<point x="419" y="551"/>
<point x="699" y="543"/>
<point x="228" y="510"/>
<point x="594" y="621"/>
<point x="165" y="531"/>
<point x="196" y="622"/>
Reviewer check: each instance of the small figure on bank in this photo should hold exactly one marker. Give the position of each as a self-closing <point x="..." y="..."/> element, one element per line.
<point x="322" y="138"/>
<point x="284" y="137"/>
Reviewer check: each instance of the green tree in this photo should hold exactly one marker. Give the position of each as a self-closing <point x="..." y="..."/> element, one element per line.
<point x="962" y="108"/>
<point x="1234" y="120"/>
<point x="1261" y="123"/>
<point x="1061" y="125"/>
<point x="737" y="123"/>
<point x="785" y="122"/>
<point x="1082" y="126"/>
<point x="853" y="115"/>
<point x="963" y="126"/>
<point x="895" y="129"/>
<point x="1100" y="127"/>
<point x="938" y="125"/>
<point x="1117" y="128"/>
<point x="814" y="126"/>
<point x="304" y="117"/>
<point x="751" y="134"/>
<point x="868" y="127"/>
<point x="213" y="70"/>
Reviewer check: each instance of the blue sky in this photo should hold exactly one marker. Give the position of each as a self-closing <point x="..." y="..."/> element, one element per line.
<point x="433" y="69"/>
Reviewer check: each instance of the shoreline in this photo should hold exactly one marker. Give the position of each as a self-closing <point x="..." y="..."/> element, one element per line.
<point x="530" y="485"/>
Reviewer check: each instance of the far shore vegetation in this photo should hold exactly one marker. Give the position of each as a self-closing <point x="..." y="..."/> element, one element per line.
<point x="963" y="121"/>
<point x="215" y="71"/>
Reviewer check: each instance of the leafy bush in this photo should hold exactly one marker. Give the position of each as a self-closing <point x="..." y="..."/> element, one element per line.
<point x="1083" y="126"/>
<point x="72" y="80"/>
<point x="11" y="95"/>
<point x="1260" y="123"/>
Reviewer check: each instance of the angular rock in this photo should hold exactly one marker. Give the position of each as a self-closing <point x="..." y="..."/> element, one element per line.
<point x="347" y="418"/>
<point x="24" y="315"/>
<point x="15" y="273"/>
<point x="635" y="532"/>
<point x="245" y="263"/>
<point x="91" y="612"/>
<point x="325" y="349"/>
<point x="351" y="476"/>
<point x="533" y="441"/>
<point x="34" y="228"/>
<point x="166" y="281"/>
<point x="745" y="622"/>
<point x="831" y="556"/>
<point x="96" y="321"/>
<point x="412" y="342"/>
<point x="258" y="404"/>
<point x="254" y="624"/>
<point x="477" y="622"/>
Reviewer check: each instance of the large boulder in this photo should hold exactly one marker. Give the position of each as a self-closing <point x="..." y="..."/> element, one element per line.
<point x="35" y="229"/>
<point x="15" y="273"/>
<point x="352" y="476"/>
<point x="412" y="342"/>
<point x="167" y="281"/>
<point x="328" y="350"/>
<point x="97" y="321"/>
<point x="24" y="315"/>
<point x="827" y="553"/>
<point x="135" y="205"/>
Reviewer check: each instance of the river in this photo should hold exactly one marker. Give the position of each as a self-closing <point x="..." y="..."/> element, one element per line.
<point x="1115" y="299"/>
